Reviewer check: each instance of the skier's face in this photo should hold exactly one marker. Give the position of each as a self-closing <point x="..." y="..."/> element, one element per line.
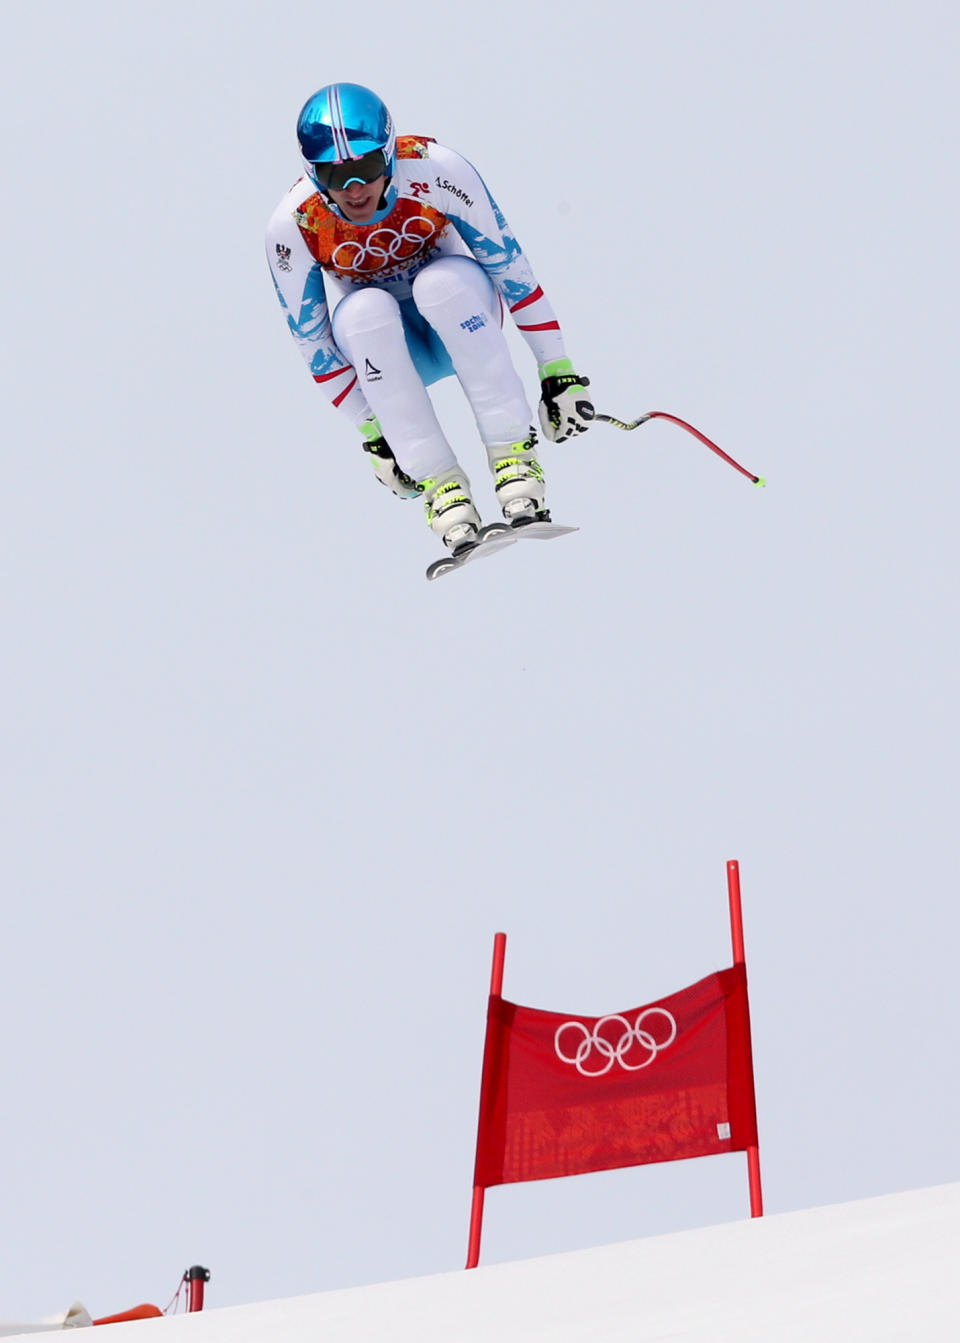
<point x="359" y="200"/>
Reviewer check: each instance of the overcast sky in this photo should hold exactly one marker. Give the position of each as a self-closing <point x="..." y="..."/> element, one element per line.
<point x="267" y="795"/>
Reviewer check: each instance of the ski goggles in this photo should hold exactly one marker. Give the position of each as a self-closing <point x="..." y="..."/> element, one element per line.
<point x="337" y="176"/>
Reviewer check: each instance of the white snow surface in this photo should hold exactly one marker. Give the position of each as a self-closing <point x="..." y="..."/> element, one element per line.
<point x="879" y="1269"/>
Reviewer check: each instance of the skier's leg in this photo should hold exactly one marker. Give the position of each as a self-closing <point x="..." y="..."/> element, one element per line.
<point x="458" y="300"/>
<point x="462" y="306"/>
<point x="368" y="328"/>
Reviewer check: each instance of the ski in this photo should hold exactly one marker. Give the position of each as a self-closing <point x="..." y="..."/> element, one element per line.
<point x="540" y="531"/>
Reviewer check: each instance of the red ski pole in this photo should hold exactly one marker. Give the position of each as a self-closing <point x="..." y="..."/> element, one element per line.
<point x="662" y="415"/>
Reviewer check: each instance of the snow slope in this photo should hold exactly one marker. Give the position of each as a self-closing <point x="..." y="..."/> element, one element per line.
<point x="881" y="1269"/>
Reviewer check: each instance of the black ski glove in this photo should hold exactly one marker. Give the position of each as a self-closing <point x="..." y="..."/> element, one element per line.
<point x="385" y="464"/>
<point x="565" y="405"/>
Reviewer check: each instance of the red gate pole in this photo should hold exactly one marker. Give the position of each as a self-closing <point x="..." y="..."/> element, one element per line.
<point x="739" y="958"/>
<point x="476" y="1210"/>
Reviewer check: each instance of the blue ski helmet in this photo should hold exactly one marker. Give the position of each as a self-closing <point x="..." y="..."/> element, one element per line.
<point x="340" y="124"/>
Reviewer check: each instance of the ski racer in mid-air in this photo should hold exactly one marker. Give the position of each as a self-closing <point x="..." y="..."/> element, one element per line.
<point x="394" y="264"/>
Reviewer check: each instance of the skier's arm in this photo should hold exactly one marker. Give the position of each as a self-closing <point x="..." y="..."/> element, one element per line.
<point x="299" y="283"/>
<point x="565" y="407"/>
<point x="478" y="219"/>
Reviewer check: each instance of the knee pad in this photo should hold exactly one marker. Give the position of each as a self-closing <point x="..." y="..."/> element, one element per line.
<point x="363" y="311"/>
<point x="449" y="278"/>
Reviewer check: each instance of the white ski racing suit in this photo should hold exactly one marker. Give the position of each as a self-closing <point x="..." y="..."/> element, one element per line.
<point x="416" y="293"/>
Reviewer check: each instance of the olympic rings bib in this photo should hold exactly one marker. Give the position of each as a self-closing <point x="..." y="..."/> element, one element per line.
<point x="383" y="246"/>
<point x="358" y="252"/>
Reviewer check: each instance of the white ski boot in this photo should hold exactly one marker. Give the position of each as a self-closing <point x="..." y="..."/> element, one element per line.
<point x="518" y="481"/>
<point x="450" y="511"/>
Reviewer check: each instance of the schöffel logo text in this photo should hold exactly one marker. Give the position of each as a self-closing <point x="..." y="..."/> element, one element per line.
<point x="454" y="190"/>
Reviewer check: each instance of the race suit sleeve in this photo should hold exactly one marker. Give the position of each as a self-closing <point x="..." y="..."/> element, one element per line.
<point x="298" y="279"/>
<point x="480" y="223"/>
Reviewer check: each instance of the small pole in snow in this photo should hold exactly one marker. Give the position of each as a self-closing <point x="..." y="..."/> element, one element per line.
<point x="195" y="1278"/>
